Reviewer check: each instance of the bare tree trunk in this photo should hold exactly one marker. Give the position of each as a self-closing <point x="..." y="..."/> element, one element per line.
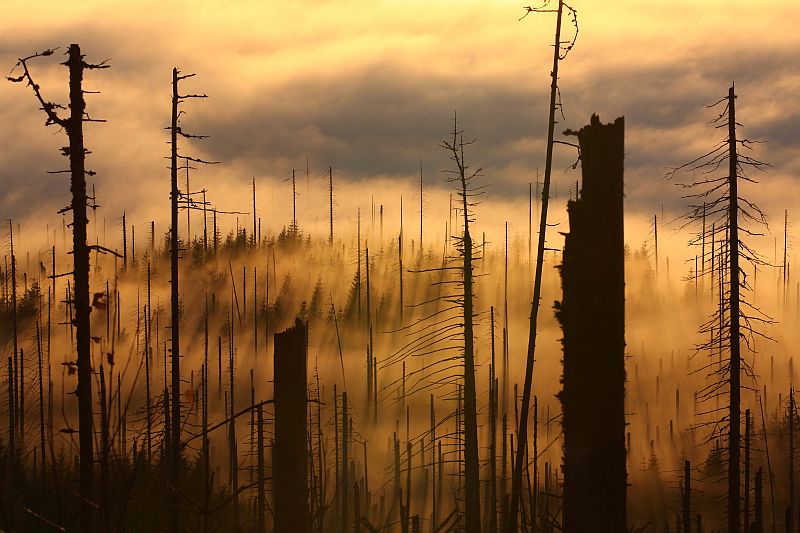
<point x="345" y="477"/>
<point x="147" y="343"/>
<point x="472" y="500"/>
<point x="124" y="243"/>
<point x="42" y="444"/>
<point x="330" y="199"/>
<point x="175" y="442"/>
<point x="80" y="254"/>
<point x="262" y="498"/>
<point x="338" y="485"/>
<point x="434" y="499"/>
<point x="205" y="448"/>
<point x="21" y="400"/>
<point x="687" y="496"/>
<point x="493" y="435"/>
<point x="256" y="242"/>
<point x="294" y="207"/>
<point x="790" y="510"/>
<point x="421" y="250"/>
<point x="232" y="442"/>
<point x="400" y="259"/>
<point x="592" y="316"/>
<point x="11" y="407"/>
<point x="105" y="514"/>
<point x="734" y="409"/>
<point x="358" y="262"/>
<point x="747" y="471"/>
<point x="290" y="501"/>
<point x="758" y="523"/>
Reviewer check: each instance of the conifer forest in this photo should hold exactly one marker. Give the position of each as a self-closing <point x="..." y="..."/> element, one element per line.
<point x="373" y="267"/>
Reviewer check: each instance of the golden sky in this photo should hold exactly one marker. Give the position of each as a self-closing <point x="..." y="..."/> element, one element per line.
<point x="369" y="88"/>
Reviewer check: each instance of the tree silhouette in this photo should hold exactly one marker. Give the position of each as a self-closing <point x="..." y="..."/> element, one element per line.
<point x="560" y="51"/>
<point x="176" y="199"/>
<point x="73" y="126"/>
<point x="462" y="177"/>
<point x="735" y="320"/>
<point x="592" y="316"/>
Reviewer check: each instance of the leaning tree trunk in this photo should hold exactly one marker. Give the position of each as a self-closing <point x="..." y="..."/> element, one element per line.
<point x="592" y="316"/>
<point x="522" y="430"/>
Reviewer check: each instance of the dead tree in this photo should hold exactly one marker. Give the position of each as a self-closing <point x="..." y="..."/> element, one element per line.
<point x="42" y="441"/>
<point x="655" y="243"/>
<point x="293" y="228"/>
<point x="290" y="505"/>
<point x="736" y="320"/>
<point x="13" y="390"/>
<point x="147" y="353"/>
<point x="256" y="236"/>
<point x="330" y="203"/>
<point x="560" y="51"/>
<point x="758" y="524"/>
<point x="73" y="126"/>
<point x="493" y="431"/>
<point x="747" y="431"/>
<point x="441" y="340"/>
<point x="421" y="250"/>
<point x="400" y="259"/>
<point x="124" y="243"/>
<point x="462" y="176"/>
<point x="261" y="513"/>
<point x="791" y="414"/>
<point x="592" y="316"/>
<point x="175" y="198"/>
<point x="686" y="497"/>
<point x="206" y="462"/>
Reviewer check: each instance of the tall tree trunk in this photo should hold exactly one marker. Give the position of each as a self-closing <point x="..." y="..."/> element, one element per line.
<point x="42" y="445"/>
<point x="233" y="456"/>
<point x="492" y="433"/>
<point x="400" y="260"/>
<point x="421" y="250"/>
<point x="330" y="200"/>
<point x="175" y="442"/>
<point x="592" y="316"/>
<point x="147" y="343"/>
<point x="80" y="255"/>
<point x="256" y="242"/>
<point x="103" y="495"/>
<point x="472" y="499"/>
<point x="11" y="408"/>
<point x="345" y="477"/>
<point x="687" y="496"/>
<point x="205" y="445"/>
<point x="291" y="405"/>
<point x="734" y="409"/>
<point x="14" y="390"/>
<point x="758" y="523"/>
<point x="261" y="515"/>
<point x="790" y="510"/>
<point x="747" y="471"/>
<point x="124" y="243"/>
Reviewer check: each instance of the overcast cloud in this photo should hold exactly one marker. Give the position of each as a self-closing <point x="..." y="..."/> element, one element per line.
<point x="370" y="88"/>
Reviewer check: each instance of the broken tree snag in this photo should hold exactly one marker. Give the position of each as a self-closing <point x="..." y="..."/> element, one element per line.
<point x="291" y="412"/>
<point x="592" y="316"/>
